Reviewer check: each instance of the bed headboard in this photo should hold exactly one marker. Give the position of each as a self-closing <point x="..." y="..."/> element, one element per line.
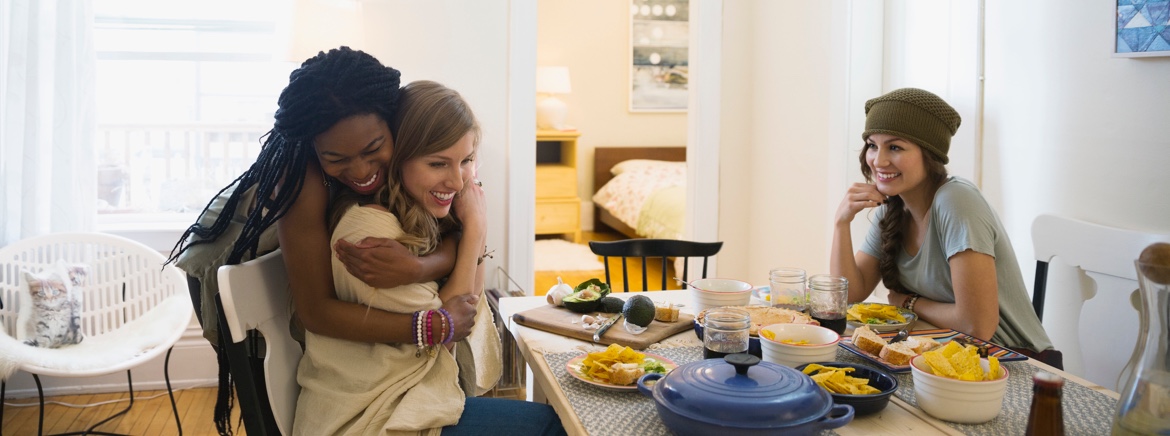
<point x="605" y="158"/>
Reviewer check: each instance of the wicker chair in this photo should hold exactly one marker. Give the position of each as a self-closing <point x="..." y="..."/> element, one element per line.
<point x="133" y="310"/>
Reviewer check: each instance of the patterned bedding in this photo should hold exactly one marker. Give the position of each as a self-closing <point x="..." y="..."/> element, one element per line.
<point x="649" y="196"/>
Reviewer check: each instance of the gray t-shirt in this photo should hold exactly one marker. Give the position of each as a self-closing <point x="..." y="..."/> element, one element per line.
<point x="960" y="220"/>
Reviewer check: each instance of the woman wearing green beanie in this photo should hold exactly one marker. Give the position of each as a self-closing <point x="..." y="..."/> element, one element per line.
<point x="937" y="245"/>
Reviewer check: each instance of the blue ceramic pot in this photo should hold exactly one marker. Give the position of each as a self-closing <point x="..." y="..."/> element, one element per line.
<point x="739" y="393"/>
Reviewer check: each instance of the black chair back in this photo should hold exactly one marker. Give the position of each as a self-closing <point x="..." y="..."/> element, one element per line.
<point x="654" y="248"/>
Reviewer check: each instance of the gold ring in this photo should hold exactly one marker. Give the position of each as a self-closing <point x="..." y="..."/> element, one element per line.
<point x="478" y="183"/>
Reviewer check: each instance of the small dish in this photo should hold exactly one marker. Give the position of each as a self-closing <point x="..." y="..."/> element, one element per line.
<point x="943" y="336"/>
<point x="864" y="404"/>
<point x="573" y="366"/>
<point x="890" y="326"/>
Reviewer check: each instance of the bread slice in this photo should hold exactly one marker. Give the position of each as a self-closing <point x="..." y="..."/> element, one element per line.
<point x="666" y="313"/>
<point x="867" y="340"/>
<point x="625" y="374"/>
<point x="922" y="344"/>
<point x="898" y="353"/>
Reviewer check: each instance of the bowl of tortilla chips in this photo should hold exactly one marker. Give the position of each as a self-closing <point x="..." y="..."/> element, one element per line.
<point x="866" y="388"/>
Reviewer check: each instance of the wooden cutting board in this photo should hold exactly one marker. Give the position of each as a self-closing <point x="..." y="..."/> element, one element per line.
<point x="559" y="320"/>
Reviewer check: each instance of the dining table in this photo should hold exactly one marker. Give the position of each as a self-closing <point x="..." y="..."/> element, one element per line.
<point x="586" y="409"/>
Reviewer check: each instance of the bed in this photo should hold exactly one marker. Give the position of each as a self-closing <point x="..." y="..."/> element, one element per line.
<point x="647" y="200"/>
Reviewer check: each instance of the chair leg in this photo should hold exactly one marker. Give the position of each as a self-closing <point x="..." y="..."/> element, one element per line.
<point x="3" y="386"/>
<point x="171" y="392"/>
<point x="41" y="399"/>
<point x="90" y="430"/>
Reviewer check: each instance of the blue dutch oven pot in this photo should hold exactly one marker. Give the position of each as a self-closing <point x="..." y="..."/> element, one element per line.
<point x="741" y="394"/>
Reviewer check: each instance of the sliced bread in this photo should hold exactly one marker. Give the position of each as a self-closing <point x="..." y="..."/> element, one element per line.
<point x="898" y="353"/>
<point x="922" y="344"/>
<point x="625" y="374"/>
<point x="868" y="341"/>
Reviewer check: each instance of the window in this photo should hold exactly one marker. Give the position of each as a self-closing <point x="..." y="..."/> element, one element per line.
<point x="185" y="92"/>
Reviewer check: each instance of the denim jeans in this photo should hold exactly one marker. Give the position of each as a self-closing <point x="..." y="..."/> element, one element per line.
<point x="498" y="416"/>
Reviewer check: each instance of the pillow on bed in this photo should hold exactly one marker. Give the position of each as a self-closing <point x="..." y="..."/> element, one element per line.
<point x="624" y="195"/>
<point x="644" y="165"/>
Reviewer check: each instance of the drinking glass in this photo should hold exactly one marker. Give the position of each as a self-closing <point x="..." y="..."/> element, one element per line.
<point x="828" y="300"/>
<point x="789" y="288"/>
<point x="725" y="331"/>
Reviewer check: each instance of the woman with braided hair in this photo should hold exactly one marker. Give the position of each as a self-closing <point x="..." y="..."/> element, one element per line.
<point x="330" y="134"/>
<point x="938" y="246"/>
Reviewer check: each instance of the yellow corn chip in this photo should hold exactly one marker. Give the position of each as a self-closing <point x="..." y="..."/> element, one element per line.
<point x="768" y="334"/>
<point x="599" y="365"/>
<point x="939" y="364"/>
<point x="837" y="381"/>
<point x="993" y="368"/>
<point x="960" y="362"/>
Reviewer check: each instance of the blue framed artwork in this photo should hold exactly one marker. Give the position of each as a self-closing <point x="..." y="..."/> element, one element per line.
<point x="1143" y="28"/>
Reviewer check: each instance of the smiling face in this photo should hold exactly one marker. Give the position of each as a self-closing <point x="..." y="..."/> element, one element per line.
<point x="433" y="180"/>
<point x="896" y="165"/>
<point x="356" y="151"/>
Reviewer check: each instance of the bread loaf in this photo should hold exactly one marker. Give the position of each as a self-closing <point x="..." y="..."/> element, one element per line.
<point x="625" y="374"/>
<point x="898" y="353"/>
<point x="868" y="341"/>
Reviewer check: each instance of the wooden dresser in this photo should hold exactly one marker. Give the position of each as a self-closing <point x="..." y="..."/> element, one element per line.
<point x="558" y="209"/>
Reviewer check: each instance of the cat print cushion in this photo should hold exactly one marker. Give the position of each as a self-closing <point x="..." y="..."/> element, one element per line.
<point x="53" y="316"/>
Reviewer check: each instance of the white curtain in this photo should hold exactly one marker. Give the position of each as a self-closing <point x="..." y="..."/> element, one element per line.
<point x="47" y="118"/>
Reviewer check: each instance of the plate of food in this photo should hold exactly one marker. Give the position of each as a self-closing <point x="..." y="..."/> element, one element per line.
<point x="617" y="367"/>
<point x="876" y="348"/>
<point x="879" y="317"/>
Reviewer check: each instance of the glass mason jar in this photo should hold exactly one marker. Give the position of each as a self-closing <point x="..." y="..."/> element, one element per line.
<point x="789" y="288"/>
<point x="828" y="297"/>
<point x="725" y="331"/>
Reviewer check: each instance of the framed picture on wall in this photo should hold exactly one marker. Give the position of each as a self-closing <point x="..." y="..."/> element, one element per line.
<point x="1142" y="29"/>
<point x="659" y="39"/>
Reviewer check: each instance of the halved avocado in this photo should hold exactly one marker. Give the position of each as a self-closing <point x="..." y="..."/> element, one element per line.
<point x="586" y="296"/>
<point x="598" y="286"/>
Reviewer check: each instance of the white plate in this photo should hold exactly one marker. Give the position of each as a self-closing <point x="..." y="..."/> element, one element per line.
<point x="573" y="366"/>
<point x="888" y="327"/>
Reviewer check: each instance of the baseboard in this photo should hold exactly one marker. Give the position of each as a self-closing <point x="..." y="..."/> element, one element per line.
<point x="192" y="365"/>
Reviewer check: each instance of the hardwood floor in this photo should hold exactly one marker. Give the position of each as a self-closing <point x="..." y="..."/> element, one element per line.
<point x="147" y="417"/>
<point x="546" y="279"/>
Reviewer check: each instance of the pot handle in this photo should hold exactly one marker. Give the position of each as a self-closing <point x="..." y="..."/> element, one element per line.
<point x="838" y="416"/>
<point x="648" y="389"/>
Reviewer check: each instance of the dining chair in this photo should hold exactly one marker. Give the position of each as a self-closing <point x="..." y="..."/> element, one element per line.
<point x="1085" y="292"/>
<point x="255" y="308"/>
<point x="654" y="248"/>
<point x="129" y="306"/>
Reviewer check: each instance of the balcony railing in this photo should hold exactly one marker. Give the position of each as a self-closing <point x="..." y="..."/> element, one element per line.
<point x="147" y="169"/>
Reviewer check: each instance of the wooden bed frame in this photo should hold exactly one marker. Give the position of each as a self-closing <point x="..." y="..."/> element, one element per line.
<point x="605" y="158"/>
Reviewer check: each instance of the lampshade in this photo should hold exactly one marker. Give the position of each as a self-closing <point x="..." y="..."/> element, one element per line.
<point x="552" y="80"/>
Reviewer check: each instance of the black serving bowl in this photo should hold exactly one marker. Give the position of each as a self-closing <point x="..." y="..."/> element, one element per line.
<point x="864" y="404"/>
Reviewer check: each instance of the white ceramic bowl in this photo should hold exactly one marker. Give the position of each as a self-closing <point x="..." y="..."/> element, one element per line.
<point x="948" y="399"/>
<point x="708" y="293"/>
<point x="821" y="346"/>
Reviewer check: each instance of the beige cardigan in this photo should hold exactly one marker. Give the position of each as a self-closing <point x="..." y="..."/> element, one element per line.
<point x="378" y="389"/>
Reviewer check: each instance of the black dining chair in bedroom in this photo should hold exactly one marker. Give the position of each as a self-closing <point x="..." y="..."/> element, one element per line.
<point x="654" y="248"/>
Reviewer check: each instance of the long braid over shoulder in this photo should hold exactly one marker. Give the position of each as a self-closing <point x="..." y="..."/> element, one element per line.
<point x="325" y="89"/>
<point x="895" y="221"/>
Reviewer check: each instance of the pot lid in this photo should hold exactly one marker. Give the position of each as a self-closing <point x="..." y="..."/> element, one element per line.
<point x="741" y="391"/>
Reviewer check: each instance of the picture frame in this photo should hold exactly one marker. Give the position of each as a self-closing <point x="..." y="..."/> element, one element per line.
<point x="1141" y="29"/>
<point x="659" y="44"/>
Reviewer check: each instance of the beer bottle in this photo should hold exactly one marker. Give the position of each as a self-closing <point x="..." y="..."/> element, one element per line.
<point x="1046" y="417"/>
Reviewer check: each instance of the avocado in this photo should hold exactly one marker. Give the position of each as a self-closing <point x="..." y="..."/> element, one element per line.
<point x="596" y="284"/>
<point x="584" y="301"/>
<point x="611" y="305"/>
<point x="639" y="310"/>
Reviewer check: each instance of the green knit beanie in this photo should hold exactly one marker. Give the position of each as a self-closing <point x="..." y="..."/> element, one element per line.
<point x="916" y="115"/>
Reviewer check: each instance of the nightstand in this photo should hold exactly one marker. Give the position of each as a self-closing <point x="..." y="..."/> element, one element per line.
<point x="558" y="209"/>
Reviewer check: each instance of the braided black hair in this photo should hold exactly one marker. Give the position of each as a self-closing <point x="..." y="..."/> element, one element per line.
<point x="325" y="89"/>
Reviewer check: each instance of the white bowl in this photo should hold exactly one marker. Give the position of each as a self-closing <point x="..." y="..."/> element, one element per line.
<point x="821" y="346"/>
<point x="948" y="399"/>
<point x="708" y="293"/>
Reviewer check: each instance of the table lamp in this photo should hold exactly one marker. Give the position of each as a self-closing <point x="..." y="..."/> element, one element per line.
<point x="550" y="110"/>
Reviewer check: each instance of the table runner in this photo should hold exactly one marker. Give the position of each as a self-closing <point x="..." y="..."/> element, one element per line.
<point x="606" y="412"/>
<point x="1086" y="411"/>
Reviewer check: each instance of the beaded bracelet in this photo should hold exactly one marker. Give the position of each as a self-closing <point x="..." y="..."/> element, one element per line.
<point x="418" y="334"/>
<point x="450" y="324"/>
<point x="430" y="330"/>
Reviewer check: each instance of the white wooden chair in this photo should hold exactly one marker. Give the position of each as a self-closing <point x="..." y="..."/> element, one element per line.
<point x="254" y="296"/>
<point x="1086" y="293"/>
<point x="133" y="310"/>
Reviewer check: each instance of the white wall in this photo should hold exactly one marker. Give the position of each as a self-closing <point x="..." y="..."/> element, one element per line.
<point x="1068" y="129"/>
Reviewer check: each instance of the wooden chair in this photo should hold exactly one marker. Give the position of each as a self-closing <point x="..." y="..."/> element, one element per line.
<point x="253" y="297"/>
<point x="654" y="248"/>
<point x="133" y="310"/>
<point x="1092" y="266"/>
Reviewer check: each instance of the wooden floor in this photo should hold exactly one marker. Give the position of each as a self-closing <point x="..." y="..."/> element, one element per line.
<point x="147" y="417"/>
<point x="547" y="279"/>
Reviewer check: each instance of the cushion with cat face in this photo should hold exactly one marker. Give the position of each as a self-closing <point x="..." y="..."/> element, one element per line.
<point x="52" y="317"/>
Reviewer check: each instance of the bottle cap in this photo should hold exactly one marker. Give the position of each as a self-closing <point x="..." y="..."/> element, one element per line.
<point x="1047" y="379"/>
